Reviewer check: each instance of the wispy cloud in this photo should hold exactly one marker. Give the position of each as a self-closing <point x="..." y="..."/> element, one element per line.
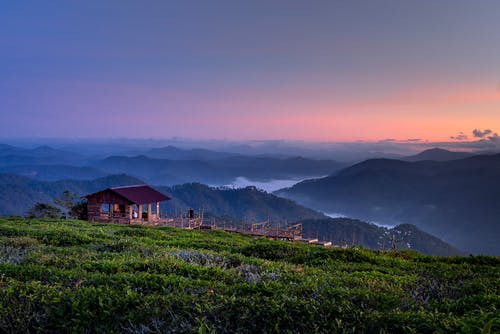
<point x="460" y="136"/>
<point x="480" y="134"/>
<point x="488" y="140"/>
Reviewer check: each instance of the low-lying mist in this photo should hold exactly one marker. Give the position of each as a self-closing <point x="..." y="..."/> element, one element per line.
<point x="269" y="186"/>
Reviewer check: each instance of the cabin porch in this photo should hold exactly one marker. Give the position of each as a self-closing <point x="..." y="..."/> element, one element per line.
<point x="125" y="205"/>
<point x="124" y="213"/>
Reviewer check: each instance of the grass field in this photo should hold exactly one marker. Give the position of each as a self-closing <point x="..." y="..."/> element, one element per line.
<point x="75" y="276"/>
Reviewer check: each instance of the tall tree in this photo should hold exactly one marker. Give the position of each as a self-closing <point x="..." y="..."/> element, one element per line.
<point x="79" y="210"/>
<point x="66" y="201"/>
<point x="44" y="210"/>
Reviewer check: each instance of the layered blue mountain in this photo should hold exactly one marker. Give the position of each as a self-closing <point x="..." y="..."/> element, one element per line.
<point x="42" y="155"/>
<point x="456" y="200"/>
<point x="54" y="172"/>
<point x="175" y="153"/>
<point x="216" y="171"/>
<point x="167" y="165"/>
<point x="438" y="154"/>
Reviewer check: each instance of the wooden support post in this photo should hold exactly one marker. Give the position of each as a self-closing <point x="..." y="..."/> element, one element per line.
<point x="140" y="212"/>
<point x="130" y="209"/>
<point x="158" y="210"/>
<point x="149" y="212"/>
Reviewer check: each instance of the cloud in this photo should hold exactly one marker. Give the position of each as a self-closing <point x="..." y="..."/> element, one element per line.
<point x="480" y="134"/>
<point x="460" y="136"/>
<point x="494" y="138"/>
<point x="487" y="141"/>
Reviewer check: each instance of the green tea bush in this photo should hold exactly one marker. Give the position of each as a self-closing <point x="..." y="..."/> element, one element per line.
<point x="63" y="237"/>
<point x="9" y="254"/>
<point x="73" y="276"/>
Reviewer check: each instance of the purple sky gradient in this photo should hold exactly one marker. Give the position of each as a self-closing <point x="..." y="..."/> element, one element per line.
<point x="322" y="70"/>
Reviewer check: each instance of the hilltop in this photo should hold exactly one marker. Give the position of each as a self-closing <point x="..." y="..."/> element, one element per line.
<point x="74" y="276"/>
<point x="167" y="165"/>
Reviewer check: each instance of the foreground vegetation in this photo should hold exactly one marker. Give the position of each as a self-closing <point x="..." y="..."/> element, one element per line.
<point x="75" y="276"/>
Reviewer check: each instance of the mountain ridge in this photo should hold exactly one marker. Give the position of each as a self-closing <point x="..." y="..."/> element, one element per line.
<point x="438" y="154"/>
<point x="448" y="198"/>
<point x="220" y="171"/>
<point x="349" y="232"/>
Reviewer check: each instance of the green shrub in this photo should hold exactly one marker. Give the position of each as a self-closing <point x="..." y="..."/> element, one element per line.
<point x="74" y="276"/>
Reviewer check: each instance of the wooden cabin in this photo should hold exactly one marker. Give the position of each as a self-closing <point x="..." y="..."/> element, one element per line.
<point x="126" y="205"/>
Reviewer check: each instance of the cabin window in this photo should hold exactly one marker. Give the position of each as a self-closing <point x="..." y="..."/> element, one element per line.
<point x="105" y="207"/>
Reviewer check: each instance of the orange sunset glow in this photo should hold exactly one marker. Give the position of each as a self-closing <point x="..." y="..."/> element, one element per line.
<point x="315" y="77"/>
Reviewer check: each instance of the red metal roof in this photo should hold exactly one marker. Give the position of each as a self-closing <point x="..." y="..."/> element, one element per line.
<point x="140" y="194"/>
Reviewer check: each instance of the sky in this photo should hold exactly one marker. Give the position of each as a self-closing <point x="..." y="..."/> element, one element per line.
<point x="321" y="71"/>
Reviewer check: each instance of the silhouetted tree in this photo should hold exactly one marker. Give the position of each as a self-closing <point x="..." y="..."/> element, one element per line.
<point x="66" y="201"/>
<point x="79" y="211"/>
<point x="44" y="210"/>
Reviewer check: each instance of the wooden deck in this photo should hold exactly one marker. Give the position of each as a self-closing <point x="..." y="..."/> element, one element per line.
<point x="262" y="229"/>
<point x="187" y="223"/>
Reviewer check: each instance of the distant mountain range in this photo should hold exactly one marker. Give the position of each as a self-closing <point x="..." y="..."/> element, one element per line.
<point x="438" y="154"/>
<point x="171" y="165"/>
<point x="217" y="171"/>
<point x="167" y="165"/>
<point x="54" y="172"/>
<point x="175" y="153"/>
<point x="42" y="155"/>
<point x="457" y="200"/>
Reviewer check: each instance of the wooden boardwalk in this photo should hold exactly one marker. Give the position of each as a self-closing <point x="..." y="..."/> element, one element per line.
<point x="185" y="223"/>
<point x="179" y="222"/>
<point x="293" y="232"/>
<point x="264" y="229"/>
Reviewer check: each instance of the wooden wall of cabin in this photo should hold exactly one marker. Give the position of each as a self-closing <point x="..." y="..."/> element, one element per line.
<point x="116" y="202"/>
<point x="121" y="205"/>
<point x="94" y="210"/>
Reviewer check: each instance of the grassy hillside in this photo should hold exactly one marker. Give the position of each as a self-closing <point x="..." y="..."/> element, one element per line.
<point x="73" y="276"/>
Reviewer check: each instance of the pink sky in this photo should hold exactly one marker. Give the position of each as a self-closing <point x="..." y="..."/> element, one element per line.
<point x="328" y="71"/>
